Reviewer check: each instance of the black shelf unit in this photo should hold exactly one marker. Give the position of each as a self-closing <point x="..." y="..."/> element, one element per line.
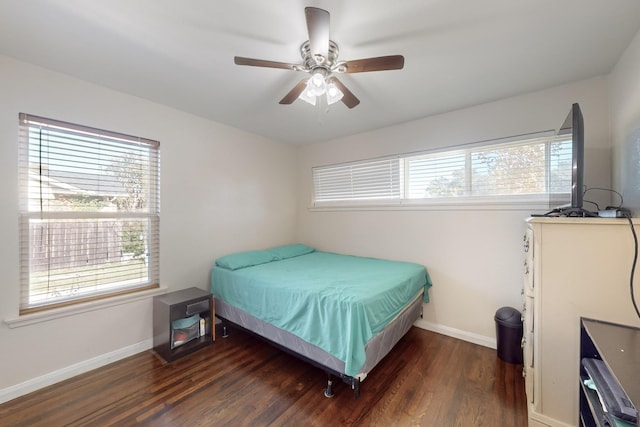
<point x="619" y="347"/>
<point x="173" y="307"/>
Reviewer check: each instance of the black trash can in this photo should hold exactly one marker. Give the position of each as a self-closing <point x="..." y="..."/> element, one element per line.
<point x="509" y="334"/>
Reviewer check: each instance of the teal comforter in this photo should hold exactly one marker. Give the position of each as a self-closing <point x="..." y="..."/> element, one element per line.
<point x="336" y="302"/>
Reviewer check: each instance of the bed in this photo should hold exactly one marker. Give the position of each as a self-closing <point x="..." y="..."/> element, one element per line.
<point x="339" y="312"/>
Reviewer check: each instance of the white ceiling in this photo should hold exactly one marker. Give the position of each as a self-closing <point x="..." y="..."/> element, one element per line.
<point x="458" y="53"/>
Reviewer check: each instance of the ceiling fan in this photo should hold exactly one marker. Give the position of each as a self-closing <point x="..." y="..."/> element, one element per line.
<point x="320" y="60"/>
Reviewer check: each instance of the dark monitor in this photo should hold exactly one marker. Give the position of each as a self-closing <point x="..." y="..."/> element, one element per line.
<point x="574" y="125"/>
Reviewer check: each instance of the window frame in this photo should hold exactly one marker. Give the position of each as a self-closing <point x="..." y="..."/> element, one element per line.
<point x="467" y="201"/>
<point x="28" y="215"/>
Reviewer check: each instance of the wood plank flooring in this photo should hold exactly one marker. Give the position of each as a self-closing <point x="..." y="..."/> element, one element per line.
<point x="427" y="380"/>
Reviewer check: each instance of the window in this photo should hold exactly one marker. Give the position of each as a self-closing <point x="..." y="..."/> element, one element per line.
<point x="369" y="180"/>
<point x="526" y="169"/>
<point x="89" y="213"/>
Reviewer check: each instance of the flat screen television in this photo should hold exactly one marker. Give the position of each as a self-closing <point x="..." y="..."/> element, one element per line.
<point x="574" y="126"/>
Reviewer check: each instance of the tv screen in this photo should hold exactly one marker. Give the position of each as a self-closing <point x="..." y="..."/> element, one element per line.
<point x="574" y="125"/>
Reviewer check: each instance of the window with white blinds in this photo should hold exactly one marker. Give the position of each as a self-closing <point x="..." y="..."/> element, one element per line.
<point x="532" y="168"/>
<point x="377" y="179"/>
<point x="89" y="213"/>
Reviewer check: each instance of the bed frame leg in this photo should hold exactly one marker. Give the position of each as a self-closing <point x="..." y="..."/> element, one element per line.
<point x="328" y="392"/>
<point x="355" y="385"/>
<point x="224" y="331"/>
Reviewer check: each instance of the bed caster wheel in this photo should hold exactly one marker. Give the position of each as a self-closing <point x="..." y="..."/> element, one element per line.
<point x="328" y="392"/>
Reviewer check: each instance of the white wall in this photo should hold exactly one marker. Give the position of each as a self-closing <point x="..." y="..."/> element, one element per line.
<point x="625" y="124"/>
<point x="474" y="257"/>
<point x="222" y="190"/>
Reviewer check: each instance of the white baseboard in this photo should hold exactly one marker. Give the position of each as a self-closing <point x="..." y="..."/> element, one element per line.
<point x="34" y="384"/>
<point x="539" y="420"/>
<point x="457" y="333"/>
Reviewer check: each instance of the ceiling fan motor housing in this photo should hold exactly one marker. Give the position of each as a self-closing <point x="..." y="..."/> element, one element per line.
<point x="311" y="62"/>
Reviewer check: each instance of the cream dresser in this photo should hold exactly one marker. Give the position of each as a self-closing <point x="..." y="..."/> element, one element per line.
<point x="573" y="267"/>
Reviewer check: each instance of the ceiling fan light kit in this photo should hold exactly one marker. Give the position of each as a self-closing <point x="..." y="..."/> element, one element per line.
<point x="317" y="85"/>
<point x="320" y="60"/>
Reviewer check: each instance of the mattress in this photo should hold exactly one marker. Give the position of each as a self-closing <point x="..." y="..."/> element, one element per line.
<point x="335" y="302"/>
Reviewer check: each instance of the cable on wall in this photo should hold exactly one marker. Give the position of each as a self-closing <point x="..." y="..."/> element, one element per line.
<point x="633" y="266"/>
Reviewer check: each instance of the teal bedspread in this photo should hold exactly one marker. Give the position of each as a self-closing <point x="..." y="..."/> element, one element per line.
<point x="336" y="302"/>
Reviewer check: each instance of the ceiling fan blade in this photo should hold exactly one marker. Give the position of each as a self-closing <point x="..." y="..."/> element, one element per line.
<point x="380" y="63"/>
<point x="318" y="28"/>
<point x="295" y="92"/>
<point x="348" y="98"/>
<point x="239" y="60"/>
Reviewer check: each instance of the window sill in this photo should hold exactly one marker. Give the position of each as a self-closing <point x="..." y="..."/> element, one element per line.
<point x="448" y="205"/>
<point x="46" y="315"/>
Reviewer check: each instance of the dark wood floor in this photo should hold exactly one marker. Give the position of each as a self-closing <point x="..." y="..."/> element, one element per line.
<point x="427" y="380"/>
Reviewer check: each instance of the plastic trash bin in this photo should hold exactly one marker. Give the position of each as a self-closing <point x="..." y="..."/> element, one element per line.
<point x="509" y="334"/>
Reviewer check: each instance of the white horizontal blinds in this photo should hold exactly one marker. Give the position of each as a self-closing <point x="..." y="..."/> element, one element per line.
<point x="377" y="180"/>
<point x="536" y="166"/>
<point x="560" y="165"/>
<point x="528" y="167"/>
<point x="510" y="169"/>
<point x="89" y="212"/>
<point x="437" y="175"/>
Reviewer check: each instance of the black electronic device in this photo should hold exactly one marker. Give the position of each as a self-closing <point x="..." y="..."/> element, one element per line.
<point x="573" y="126"/>
<point x="615" y="213"/>
<point x="611" y="394"/>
